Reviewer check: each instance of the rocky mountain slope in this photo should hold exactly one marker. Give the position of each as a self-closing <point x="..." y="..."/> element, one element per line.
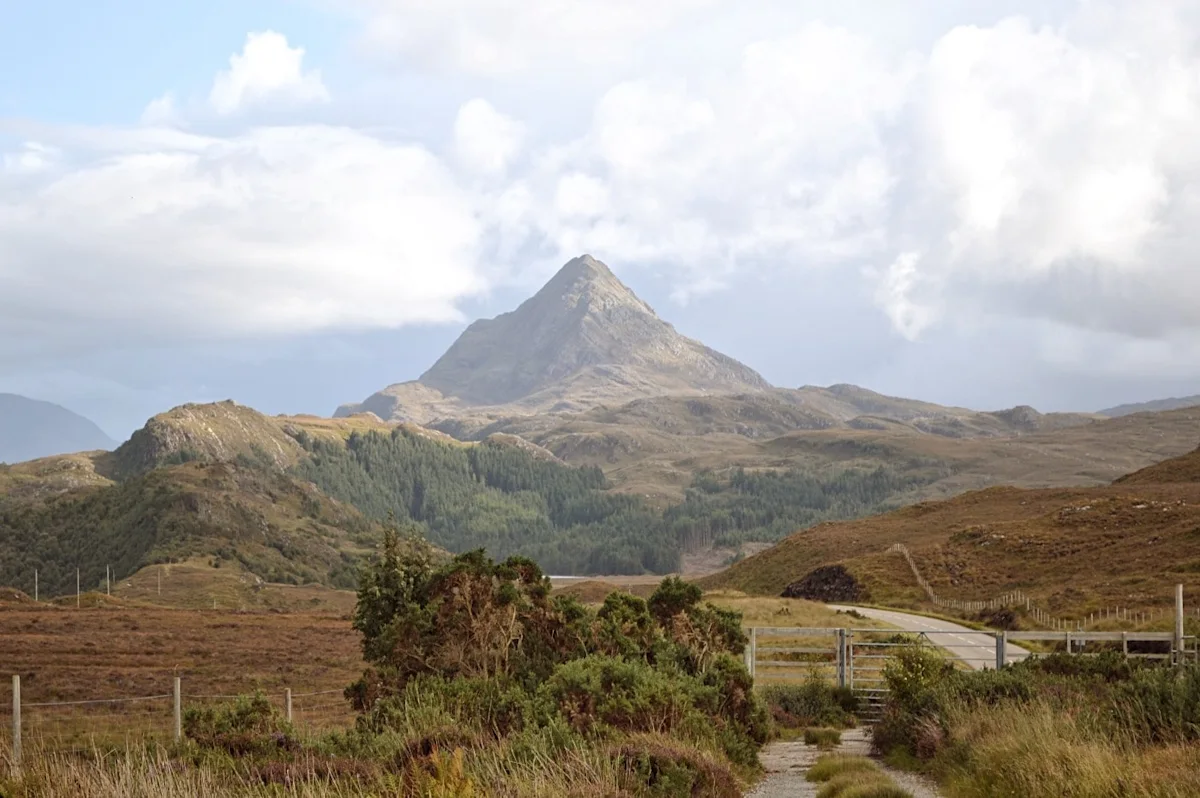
<point x="583" y="340"/>
<point x="30" y="429"/>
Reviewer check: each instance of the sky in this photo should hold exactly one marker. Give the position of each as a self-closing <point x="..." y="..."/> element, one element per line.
<point x="293" y="203"/>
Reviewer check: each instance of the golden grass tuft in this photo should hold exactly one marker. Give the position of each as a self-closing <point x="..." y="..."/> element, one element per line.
<point x="823" y="738"/>
<point x="832" y="765"/>
<point x="1037" y="751"/>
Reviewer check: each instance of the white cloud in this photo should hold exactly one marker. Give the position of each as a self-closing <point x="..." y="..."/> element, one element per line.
<point x="493" y="37"/>
<point x="162" y="111"/>
<point x="1063" y="161"/>
<point x="773" y="164"/>
<point x="32" y="158"/>
<point x="485" y="140"/>
<point x="267" y="69"/>
<point x="1048" y="172"/>
<point x="244" y="235"/>
<point x="894" y="294"/>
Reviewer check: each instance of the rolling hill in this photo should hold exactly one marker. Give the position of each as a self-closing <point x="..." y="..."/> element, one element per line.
<point x="1075" y="550"/>
<point x="1156" y="406"/>
<point x="30" y="429"/>
<point x="302" y="500"/>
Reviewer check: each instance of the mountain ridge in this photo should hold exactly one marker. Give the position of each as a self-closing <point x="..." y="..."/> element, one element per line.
<point x="1153" y="406"/>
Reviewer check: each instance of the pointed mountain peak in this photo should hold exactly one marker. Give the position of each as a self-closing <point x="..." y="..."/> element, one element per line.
<point x="585" y="280"/>
<point x="584" y="339"/>
<point x="585" y="267"/>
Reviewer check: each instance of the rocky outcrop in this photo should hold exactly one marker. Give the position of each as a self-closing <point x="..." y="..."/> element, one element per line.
<point x="828" y="583"/>
<point x="217" y="432"/>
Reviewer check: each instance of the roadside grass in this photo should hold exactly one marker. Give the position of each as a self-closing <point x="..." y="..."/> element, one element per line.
<point x="766" y="611"/>
<point x="830" y="765"/>
<point x="853" y="777"/>
<point x="823" y="738"/>
<point x="1062" y="726"/>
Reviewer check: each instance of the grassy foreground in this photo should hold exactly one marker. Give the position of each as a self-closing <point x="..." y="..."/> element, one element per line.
<point x="479" y="682"/>
<point x="1104" y="727"/>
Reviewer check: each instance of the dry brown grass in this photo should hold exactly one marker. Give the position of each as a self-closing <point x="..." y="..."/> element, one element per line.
<point x="652" y="460"/>
<point x="195" y="584"/>
<point x="64" y="654"/>
<point x="1039" y="751"/>
<point x="1075" y="551"/>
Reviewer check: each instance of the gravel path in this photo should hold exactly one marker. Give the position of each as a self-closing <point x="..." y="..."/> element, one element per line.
<point x="786" y="764"/>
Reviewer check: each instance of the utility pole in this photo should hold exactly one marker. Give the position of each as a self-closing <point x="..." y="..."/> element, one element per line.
<point x="76" y="588"/>
<point x="107" y="581"/>
<point x="35" y="585"/>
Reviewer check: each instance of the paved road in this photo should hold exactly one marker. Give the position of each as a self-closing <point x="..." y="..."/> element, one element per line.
<point x="976" y="649"/>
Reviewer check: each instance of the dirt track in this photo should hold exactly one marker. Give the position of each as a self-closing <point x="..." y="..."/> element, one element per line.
<point x="788" y="762"/>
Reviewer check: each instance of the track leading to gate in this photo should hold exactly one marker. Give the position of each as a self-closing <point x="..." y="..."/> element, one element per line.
<point x="976" y="649"/>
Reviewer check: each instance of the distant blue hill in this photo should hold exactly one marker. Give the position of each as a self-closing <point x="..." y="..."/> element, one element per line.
<point x="30" y="429"/>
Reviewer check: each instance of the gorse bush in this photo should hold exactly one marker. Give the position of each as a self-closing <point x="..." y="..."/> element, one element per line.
<point x="247" y="725"/>
<point x="474" y="653"/>
<point x="812" y="703"/>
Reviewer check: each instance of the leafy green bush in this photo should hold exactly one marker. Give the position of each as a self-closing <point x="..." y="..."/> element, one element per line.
<point x="813" y="703"/>
<point x="247" y="725"/>
<point x="1108" y="666"/>
<point x="656" y="768"/>
<point x="481" y="648"/>
<point x="598" y="694"/>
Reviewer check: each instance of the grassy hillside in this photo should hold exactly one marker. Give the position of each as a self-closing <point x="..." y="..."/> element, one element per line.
<point x="609" y="491"/>
<point x="1074" y="550"/>
<point x="278" y="527"/>
<point x="658" y="456"/>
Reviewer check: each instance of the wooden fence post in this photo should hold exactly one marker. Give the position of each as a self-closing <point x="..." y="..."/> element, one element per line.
<point x="753" y="649"/>
<point x="178" y="710"/>
<point x="287" y="703"/>
<point x="16" y="720"/>
<point x="1001" y="649"/>
<point x="1179" y="624"/>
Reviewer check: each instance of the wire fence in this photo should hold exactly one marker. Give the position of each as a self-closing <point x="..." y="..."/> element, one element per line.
<point x="110" y="723"/>
<point x="1018" y="599"/>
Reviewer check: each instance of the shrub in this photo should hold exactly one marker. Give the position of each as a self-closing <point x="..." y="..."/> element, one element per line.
<point x="1108" y="666"/>
<point x="598" y="694"/>
<point x="912" y="673"/>
<point x="489" y="707"/>
<point x="247" y="725"/>
<point x="655" y="768"/>
<point x="812" y="703"/>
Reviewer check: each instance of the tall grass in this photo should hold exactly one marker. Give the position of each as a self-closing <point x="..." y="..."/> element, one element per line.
<point x="1056" y="728"/>
<point x="1038" y="751"/>
<point x="157" y="773"/>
